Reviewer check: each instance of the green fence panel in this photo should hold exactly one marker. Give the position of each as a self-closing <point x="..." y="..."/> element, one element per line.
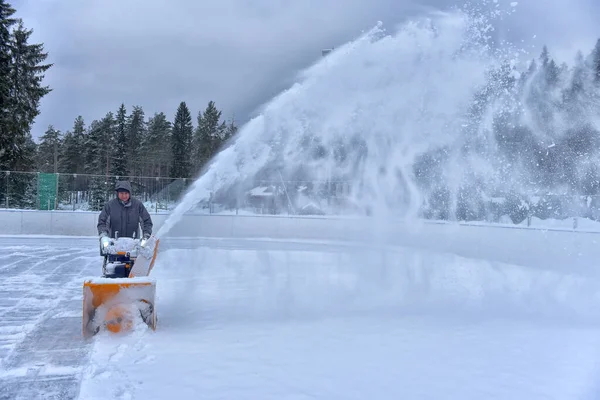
<point x="47" y="184"/>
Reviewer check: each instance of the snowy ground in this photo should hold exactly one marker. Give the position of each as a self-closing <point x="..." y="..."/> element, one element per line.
<point x="269" y="319"/>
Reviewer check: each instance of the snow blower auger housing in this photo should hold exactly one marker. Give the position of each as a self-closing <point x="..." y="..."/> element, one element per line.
<point x="124" y="293"/>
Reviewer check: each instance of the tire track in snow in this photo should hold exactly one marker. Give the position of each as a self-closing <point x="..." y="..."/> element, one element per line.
<point x="43" y="351"/>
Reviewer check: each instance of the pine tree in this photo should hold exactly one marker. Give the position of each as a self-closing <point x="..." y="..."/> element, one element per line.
<point x="48" y="151"/>
<point x="108" y="128"/>
<point x="230" y="131"/>
<point x="552" y="74"/>
<point x="21" y="75"/>
<point x="119" y="166"/>
<point x="99" y="143"/>
<point x="596" y="62"/>
<point x="93" y="149"/>
<point x="210" y="135"/>
<point x="22" y="185"/>
<point x="156" y="145"/>
<point x="575" y="98"/>
<point x="94" y="165"/>
<point x="66" y="164"/>
<point x="109" y="137"/>
<point x="537" y="97"/>
<point x="7" y="135"/>
<point x="181" y="142"/>
<point x="26" y="78"/>
<point x="73" y="153"/>
<point x="136" y="130"/>
<point x="72" y="160"/>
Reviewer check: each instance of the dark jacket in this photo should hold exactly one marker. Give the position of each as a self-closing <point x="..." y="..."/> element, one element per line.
<point x="124" y="218"/>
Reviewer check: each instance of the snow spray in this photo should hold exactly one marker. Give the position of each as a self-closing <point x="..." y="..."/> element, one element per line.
<point x="367" y="111"/>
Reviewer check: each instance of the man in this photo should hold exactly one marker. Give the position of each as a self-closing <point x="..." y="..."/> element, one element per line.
<point x="123" y="215"/>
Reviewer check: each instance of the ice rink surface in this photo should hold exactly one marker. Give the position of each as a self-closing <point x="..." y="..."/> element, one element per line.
<point x="286" y="319"/>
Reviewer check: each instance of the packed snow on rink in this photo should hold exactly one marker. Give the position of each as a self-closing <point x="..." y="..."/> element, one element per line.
<point x="432" y="311"/>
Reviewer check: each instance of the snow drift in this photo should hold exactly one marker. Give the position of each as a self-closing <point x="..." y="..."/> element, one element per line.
<point x="360" y="323"/>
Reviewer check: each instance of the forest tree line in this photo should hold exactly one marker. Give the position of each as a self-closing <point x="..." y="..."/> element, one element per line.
<point x="545" y="145"/>
<point x="128" y="144"/>
<point x="131" y="146"/>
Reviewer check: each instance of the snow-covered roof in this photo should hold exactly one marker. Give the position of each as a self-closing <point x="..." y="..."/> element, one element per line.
<point x="261" y="191"/>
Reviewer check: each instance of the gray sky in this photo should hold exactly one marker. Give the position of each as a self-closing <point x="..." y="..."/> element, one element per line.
<point x="238" y="53"/>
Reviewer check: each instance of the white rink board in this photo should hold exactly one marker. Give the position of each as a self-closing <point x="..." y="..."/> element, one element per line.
<point x="69" y="223"/>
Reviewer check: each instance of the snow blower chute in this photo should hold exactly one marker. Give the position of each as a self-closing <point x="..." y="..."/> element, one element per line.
<point x="125" y="292"/>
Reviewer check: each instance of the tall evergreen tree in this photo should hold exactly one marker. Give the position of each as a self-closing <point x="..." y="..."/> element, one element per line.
<point x="72" y="161"/>
<point x="26" y="78"/>
<point x="181" y="142"/>
<point x="206" y="138"/>
<point x="107" y="141"/>
<point x="209" y="136"/>
<point x="73" y="150"/>
<point x="65" y="163"/>
<point x="7" y="135"/>
<point x="93" y="149"/>
<point x="22" y="81"/>
<point x="22" y="186"/>
<point x="553" y="74"/>
<point x="230" y="131"/>
<point x="136" y="130"/>
<point x="48" y="151"/>
<point x="119" y="166"/>
<point x="595" y="60"/>
<point x="95" y="165"/>
<point x="576" y="99"/>
<point x="156" y="145"/>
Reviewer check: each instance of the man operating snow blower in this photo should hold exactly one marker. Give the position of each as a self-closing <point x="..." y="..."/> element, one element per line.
<point x="124" y="292"/>
<point x="122" y="215"/>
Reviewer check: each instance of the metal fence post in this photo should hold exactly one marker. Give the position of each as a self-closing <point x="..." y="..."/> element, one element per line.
<point x="56" y="197"/>
<point x="38" y="201"/>
<point x="7" y="174"/>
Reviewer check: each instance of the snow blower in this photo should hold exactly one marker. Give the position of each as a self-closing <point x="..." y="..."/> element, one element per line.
<point x="124" y="293"/>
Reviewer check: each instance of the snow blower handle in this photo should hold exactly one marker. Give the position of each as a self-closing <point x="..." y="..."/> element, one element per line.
<point x="148" y="249"/>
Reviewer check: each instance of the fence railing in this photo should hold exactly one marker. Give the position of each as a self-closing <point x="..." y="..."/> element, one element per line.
<point x="85" y="192"/>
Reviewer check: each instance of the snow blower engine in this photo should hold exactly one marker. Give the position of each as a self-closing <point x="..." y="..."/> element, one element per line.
<point x="119" y="256"/>
<point x="124" y="293"/>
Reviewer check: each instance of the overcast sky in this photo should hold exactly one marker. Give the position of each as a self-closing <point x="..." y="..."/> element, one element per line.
<point x="239" y="53"/>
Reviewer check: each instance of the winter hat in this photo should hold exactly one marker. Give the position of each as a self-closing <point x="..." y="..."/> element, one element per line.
<point x="123" y="185"/>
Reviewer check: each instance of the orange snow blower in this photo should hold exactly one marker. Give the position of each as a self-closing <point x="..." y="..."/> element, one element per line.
<point x="124" y="294"/>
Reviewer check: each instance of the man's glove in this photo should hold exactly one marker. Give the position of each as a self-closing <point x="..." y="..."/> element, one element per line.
<point x="104" y="240"/>
<point x="144" y="239"/>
